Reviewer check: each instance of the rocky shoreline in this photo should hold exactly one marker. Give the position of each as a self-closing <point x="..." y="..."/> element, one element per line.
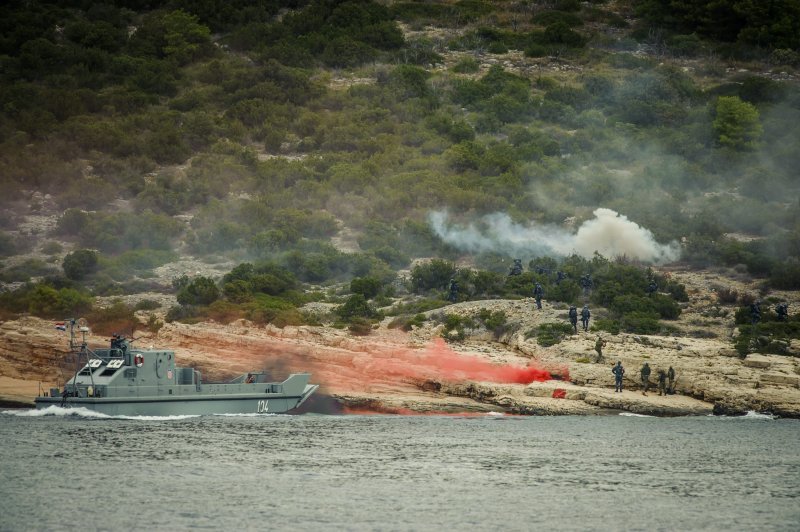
<point x="390" y="371"/>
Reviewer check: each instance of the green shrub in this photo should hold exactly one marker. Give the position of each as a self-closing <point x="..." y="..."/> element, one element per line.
<point x="495" y="322"/>
<point x="549" y="334"/>
<point x="147" y="304"/>
<point x="455" y="326"/>
<point x="546" y="18"/>
<point x="51" y="248"/>
<point x="769" y="336"/>
<point x="118" y="318"/>
<point x="360" y="326"/>
<point x="26" y="270"/>
<point x="466" y="65"/>
<point x="737" y="123"/>
<point x="181" y="313"/>
<point x="536" y="50"/>
<point x="199" y="291"/>
<point x="407" y="322"/>
<point x="560" y="33"/>
<point x="433" y="275"/>
<point x="611" y="326"/>
<point x="417" y="306"/>
<point x="497" y="48"/>
<point x="8" y="246"/>
<point x="640" y="323"/>
<point x="369" y="287"/>
<point x="79" y="264"/>
<point x="355" y="306"/>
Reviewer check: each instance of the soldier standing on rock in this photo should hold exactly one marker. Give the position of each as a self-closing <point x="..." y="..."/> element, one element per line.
<point x="645" y="378"/>
<point x="755" y="312"/>
<point x="453" y="296"/>
<point x="671" y="378"/>
<point x="618" y="372"/>
<point x="598" y="346"/>
<point x="782" y="310"/>
<point x="662" y="382"/>
<point x="652" y="288"/>
<point x="538" y="292"/>
<point x="586" y="283"/>
<point x="573" y="318"/>
<point x="585" y="314"/>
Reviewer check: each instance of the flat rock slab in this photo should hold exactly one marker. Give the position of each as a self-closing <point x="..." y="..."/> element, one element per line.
<point x="651" y="404"/>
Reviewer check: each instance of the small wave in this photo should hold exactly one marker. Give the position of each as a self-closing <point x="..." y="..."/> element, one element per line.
<point x="250" y="414"/>
<point x="58" y="411"/>
<point x="752" y="414"/>
<point x="632" y="414"/>
<point x="495" y="414"/>
<point x="155" y="418"/>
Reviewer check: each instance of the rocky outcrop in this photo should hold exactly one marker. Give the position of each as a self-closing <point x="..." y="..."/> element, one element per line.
<point x="390" y="371"/>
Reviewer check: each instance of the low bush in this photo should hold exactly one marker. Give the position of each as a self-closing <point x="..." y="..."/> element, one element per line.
<point x="199" y="291"/>
<point x="726" y="295"/>
<point x="640" y="323"/>
<point x="608" y="325"/>
<point x="455" y="326"/>
<point x="118" y="318"/>
<point x="26" y="270"/>
<point x="417" y="306"/>
<point x="407" y="322"/>
<point x="360" y="327"/>
<point x="147" y="304"/>
<point x="433" y="275"/>
<point x="369" y="287"/>
<point x="466" y="65"/>
<point x="355" y="306"/>
<point x="549" y="334"/>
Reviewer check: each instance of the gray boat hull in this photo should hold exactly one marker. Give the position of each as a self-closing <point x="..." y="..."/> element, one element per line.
<point x="181" y="406"/>
<point x="123" y="381"/>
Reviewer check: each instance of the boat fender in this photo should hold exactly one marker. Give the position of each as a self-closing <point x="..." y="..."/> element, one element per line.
<point x="138" y="360"/>
<point x="90" y="391"/>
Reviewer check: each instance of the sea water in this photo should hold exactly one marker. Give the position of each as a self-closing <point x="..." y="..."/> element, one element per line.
<point x="70" y="469"/>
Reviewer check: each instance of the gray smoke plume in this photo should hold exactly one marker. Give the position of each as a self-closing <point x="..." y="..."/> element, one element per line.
<point x="608" y="233"/>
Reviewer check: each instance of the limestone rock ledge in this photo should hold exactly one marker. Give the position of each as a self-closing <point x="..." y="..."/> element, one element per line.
<point x="368" y="373"/>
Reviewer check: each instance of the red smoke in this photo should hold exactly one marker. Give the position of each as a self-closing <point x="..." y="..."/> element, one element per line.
<point x="440" y="362"/>
<point x="559" y="393"/>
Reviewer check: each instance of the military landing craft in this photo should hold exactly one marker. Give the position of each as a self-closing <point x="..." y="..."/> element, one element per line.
<point x="123" y="380"/>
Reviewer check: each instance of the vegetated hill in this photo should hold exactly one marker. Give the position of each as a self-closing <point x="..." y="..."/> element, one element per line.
<point x="275" y="134"/>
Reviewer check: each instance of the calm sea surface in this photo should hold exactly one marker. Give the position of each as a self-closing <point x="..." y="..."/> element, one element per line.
<point x="315" y="472"/>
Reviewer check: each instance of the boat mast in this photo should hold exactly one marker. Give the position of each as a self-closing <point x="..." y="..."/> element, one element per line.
<point x="83" y="349"/>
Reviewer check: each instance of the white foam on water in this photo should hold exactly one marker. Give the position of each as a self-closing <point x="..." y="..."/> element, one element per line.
<point x="752" y="414"/>
<point x="250" y="414"/>
<point x="58" y="411"/>
<point x="631" y="414"/>
<point x="154" y="418"/>
<point x="495" y="414"/>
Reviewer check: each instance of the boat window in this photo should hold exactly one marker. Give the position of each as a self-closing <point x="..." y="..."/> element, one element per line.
<point x="130" y="373"/>
<point x="109" y="371"/>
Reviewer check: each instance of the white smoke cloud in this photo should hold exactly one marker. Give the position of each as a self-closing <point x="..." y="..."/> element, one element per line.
<point x="609" y="233"/>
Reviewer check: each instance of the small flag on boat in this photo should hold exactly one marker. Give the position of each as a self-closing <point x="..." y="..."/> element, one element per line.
<point x="61" y="326"/>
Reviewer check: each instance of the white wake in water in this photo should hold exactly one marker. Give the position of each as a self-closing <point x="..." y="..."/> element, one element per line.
<point x="57" y="411"/>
